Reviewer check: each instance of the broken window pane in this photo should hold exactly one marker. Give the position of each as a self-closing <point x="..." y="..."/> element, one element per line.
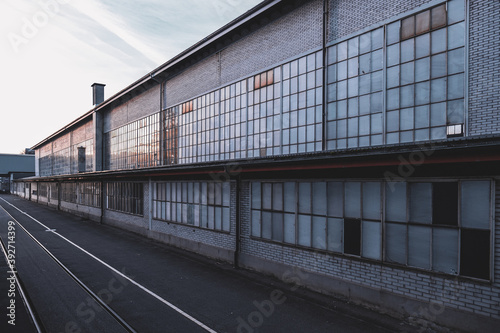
<point x="445" y="203"/>
<point x="475" y="253"/>
<point x="352" y="236"/>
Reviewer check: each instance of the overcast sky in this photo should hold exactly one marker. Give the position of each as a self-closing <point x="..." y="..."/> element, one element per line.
<point x="53" y="50"/>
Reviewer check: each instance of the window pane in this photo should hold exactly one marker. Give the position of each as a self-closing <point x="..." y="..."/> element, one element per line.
<point x="335" y="227"/>
<point x="438" y="16"/>
<point x="335" y="199"/>
<point x="393" y="33"/>
<point x="456" y="112"/>
<point x="277" y="196"/>
<point x="305" y="198"/>
<point x="423" y="22"/>
<point x="456" y="35"/>
<point x="266" y="195"/>
<point x="393" y="77"/>
<point x="319" y="198"/>
<point x="393" y="99"/>
<point x="407" y="50"/>
<point x="419" y="244"/>
<point x="395" y="193"/>
<point x="445" y="250"/>
<point x="277" y="227"/>
<point x="438" y="65"/>
<point x="226" y="191"/>
<point x="395" y="243"/>
<point x="438" y="41"/>
<point x="438" y="90"/>
<point x="475" y="253"/>
<point x="352" y="236"/>
<point x="408" y="27"/>
<point x="266" y="224"/>
<point x="371" y="200"/>
<point x="421" y="202"/>
<point x="456" y="86"/>
<point x="304" y="230"/>
<point x="372" y="241"/>
<point x="289" y="197"/>
<point x="393" y="55"/>
<point x="456" y="11"/>
<point x="407" y="96"/>
<point x="226" y="220"/>
<point x="319" y="232"/>
<point x="445" y="203"/>
<point x="423" y="45"/>
<point x="408" y="73"/>
<point x="289" y="232"/>
<point x="422" y="69"/>
<point x="255" y="222"/>
<point x="353" y="199"/>
<point x="476" y="205"/>
<point x="456" y="61"/>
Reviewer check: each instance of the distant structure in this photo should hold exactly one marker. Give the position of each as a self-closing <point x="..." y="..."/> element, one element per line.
<point x="351" y="147"/>
<point x="14" y="167"/>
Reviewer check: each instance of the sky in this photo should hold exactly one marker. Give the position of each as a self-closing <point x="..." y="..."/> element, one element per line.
<point x="51" y="51"/>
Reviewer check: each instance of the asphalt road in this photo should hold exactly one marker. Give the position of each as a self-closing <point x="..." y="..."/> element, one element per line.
<point x="152" y="287"/>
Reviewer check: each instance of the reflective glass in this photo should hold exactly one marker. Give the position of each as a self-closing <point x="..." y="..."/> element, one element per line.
<point x="372" y="240"/>
<point x="422" y="47"/>
<point x="419" y="241"/>
<point x="421" y="202"/>
<point x="395" y="193"/>
<point x="395" y="243"/>
<point x="335" y="230"/>
<point x="445" y="250"/>
<point x="476" y="204"/>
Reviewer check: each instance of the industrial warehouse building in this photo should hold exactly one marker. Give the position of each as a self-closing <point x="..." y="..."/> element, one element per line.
<point x="351" y="147"/>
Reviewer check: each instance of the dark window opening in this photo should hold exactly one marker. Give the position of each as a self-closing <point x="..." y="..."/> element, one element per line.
<point x="475" y="253"/>
<point x="445" y="203"/>
<point x="352" y="236"/>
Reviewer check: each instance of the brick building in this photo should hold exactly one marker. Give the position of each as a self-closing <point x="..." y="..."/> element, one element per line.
<point x="348" y="146"/>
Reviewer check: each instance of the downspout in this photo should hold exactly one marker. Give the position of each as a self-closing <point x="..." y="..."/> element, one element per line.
<point x="325" y="63"/>
<point x="101" y="219"/>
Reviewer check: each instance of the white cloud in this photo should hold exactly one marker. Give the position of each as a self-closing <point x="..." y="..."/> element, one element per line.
<point x="46" y="77"/>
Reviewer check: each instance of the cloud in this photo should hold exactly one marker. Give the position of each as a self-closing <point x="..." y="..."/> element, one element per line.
<point x="46" y="83"/>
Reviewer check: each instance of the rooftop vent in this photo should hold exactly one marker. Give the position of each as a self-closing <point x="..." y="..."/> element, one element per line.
<point x="97" y="93"/>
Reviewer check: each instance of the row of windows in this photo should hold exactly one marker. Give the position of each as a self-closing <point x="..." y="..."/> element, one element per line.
<point x="439" y="226"/>
<point x="65" y="161"/>
<point x="401" y="82"/>
<point x="125" y="197"/>
<point x="201" y="204"/>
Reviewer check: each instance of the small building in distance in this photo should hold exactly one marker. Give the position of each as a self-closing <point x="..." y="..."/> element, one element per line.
<point x="13" y="167"/>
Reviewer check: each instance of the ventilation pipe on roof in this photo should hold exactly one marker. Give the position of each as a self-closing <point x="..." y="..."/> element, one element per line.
<point x="97" y="93"/>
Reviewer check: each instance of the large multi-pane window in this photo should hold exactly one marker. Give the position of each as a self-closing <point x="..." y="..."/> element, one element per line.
<point x="201" y="204"/>
<point x="425" y="75"/>
<point x="302" y="104"/>
<point x="89" y="194"/>
<point x="68" y="192"/>
<point x="135" y="145"/>
<point x="442" y="226"/>
<point x="404" y="80"/>
<point x="89" y="154"/>
<point x="125" y="197"/>
<point x="355" y="91"/>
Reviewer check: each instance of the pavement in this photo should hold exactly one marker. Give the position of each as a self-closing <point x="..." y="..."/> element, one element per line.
<point x="154" y="287"/>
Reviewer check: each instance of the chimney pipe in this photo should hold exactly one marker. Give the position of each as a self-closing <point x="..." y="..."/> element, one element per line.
<point x="97" y="93"/>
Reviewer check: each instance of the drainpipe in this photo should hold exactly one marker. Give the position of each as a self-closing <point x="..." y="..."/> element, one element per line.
<point x="325" y="62"/>
<point x="101" y="219"/>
